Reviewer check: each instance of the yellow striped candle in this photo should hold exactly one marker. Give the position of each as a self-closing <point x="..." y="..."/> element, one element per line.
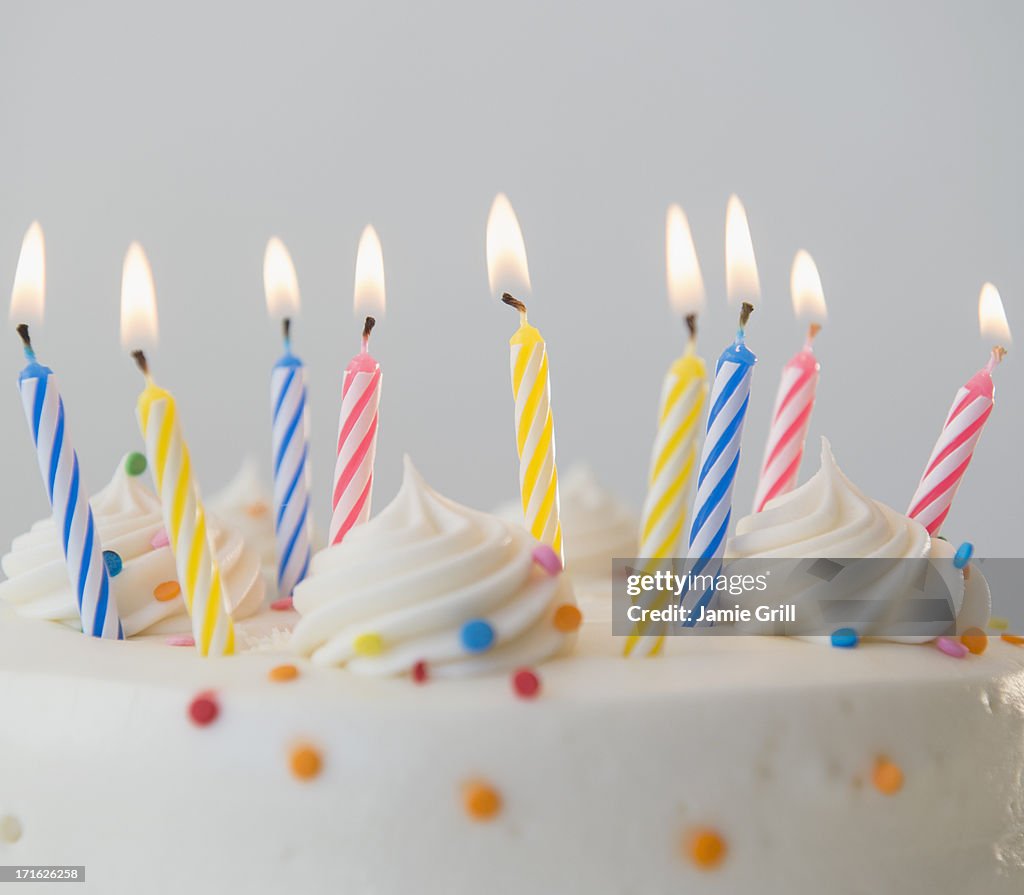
<point x="674" y="456"/>
<point x="184" y="517"/>
<point x="535" y="431"/>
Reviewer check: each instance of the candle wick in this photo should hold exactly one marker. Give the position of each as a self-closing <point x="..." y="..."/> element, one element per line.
<point x="998" y="353"/>
<point x="746" y="309"/>
<point x="141" y="362"/>
<point x="691" y="325"/>
<point x="513" y="302"/>
<point x="368" y="326"/>
<point x="812" y="331"/>
<point x="286" y="329"/>
<point x="26" y="341"/>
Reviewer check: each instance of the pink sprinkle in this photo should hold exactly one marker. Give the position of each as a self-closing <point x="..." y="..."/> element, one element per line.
<point x="160" y="539"/>
<point x="951" y="647"/>
<point x="181" y="640"/>
<point x="282" y="605"/>
<point x="547" y="559"/>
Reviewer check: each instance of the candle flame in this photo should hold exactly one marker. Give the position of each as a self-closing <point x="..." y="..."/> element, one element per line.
<point x="28" y="297"/>
<point x="139" y="326"/>
<point x="741" y="281"/>
<point x="805" y="289"/>
<point x="369" y="288"/>
<point x="685" y="284"/>
<point x="992" y="317"/>
<point x="280" y="284"/>
<point x="507" y="270"/>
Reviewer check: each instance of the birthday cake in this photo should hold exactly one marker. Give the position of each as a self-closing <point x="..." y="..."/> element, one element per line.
<point x="440" y="721"/>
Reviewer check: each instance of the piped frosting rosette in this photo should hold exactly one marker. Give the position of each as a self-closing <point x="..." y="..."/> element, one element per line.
<point x="143" y="579"/>
<point x="828" y="518"/>
<point x="428" y="580"/>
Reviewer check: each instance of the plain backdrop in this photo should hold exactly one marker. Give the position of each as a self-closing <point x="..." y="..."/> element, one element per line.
<point x="883" y="137"/>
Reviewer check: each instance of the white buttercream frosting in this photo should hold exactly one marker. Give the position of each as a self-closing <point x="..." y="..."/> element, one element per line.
<point x="414" y="575"/>
<point x="246" y="504"/>
<point x="828" y="516"/>
<point x="128" y="519"/>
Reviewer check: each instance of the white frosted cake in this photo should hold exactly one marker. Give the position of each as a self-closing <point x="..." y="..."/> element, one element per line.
<point x="440" y="722"/>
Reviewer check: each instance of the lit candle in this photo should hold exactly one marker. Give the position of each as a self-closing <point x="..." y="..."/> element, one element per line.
<point x="58" y="462"/>
<point x="730" y="395"/>
<point x="795" y="398"/>
<point x="290" y="433"/>
<point x="531" y="388"/>
<point x="683" y="392"/>
<point x="360" y="400"/>
<point x="971" y="408"/>
<point x="184" y="517"/>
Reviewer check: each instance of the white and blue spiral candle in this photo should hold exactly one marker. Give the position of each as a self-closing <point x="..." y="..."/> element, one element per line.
<point x="58" y="462"/>
<point x="720" y="456"/>
<point x="292" y="518"/>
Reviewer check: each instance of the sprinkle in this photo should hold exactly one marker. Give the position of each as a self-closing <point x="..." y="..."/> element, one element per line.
<point x="526" y="683"/>
<point x="203" y="709"/>
<point x="114" y="563"/>
<point x="1015" y="639"/>
<point x="963" y="554"/>
<point x="975" y="640"/>
<point x="167" y="590"/>
<point x="844" y="638"/>
<point x="305" y="762"/>
<point x="545" y="557"/>
<point x="160" y="539"/>
<point x="887" y="777"/>
<point x="135" y="463"/>
<point x="706" y="848"/>
<point x="950" y="647"/>
<point x="420" y="672"/>
<point x="181" y="640"/>
<point x="257" y="509"/>
<point x="477" y="635"/>
<point x="998" y="624"/>
<point x="481" y="800"/>
<point x="282" y="605"/>
<point x="567" y="618"/>
<point x="368" y="645"/>
<point x="10" y="829"/>
<point x="281" y="673"/>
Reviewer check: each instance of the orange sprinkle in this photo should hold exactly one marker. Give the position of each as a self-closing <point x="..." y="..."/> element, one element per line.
<point x="257" y="509"/>
<point x="567" y="618"/>
<point x="168" y="590"/>
<point x="481" y="800"/>
<point x="888" y="777"/>
<point x="281" y="673"/>
<point x="305" y="762"/>
<point x="706" y="848"/>
<point x="975" y="640"/>
<point x="1015" y="639"/>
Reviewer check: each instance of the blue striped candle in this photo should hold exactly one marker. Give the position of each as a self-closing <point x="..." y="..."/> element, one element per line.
<point x="292" y="520"/>
<point x="72" y="515"/>
<point x="719" y="460"/>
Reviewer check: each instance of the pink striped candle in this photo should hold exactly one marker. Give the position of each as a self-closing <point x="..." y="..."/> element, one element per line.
<point x="960" y="433"/>
<point x="797" y="389"/>
<point x="357" y="441"/>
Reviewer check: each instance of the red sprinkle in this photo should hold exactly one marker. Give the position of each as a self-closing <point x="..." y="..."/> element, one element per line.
<point x="526" y="683"/>
<point x="204" y="709"/>
<point x="420" y="673"/>
<point x="282" y="605"/>
<point x="181" y="640"/>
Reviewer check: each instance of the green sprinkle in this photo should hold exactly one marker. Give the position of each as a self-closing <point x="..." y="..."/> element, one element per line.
<point x="135" y="463"/>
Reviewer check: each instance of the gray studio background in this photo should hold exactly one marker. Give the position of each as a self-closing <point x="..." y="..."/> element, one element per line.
<point x="883" y="137"/>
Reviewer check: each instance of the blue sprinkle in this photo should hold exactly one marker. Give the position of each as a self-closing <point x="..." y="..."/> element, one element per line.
<point x="844" y="638"/>
<point x="477" y="635"/>
<point x="963" y="554"/>
<point x="114" y="563"/>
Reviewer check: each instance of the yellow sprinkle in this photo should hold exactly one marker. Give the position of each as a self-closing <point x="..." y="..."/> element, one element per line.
<point x="999" y="624"/>
<point x="368" y="645"/>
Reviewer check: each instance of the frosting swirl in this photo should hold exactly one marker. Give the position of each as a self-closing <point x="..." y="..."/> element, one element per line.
<point x="245" y="504"/>
<point x="409" y="580"/>
<point x="829" y="517"/>
<point x="129" y="522"/>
